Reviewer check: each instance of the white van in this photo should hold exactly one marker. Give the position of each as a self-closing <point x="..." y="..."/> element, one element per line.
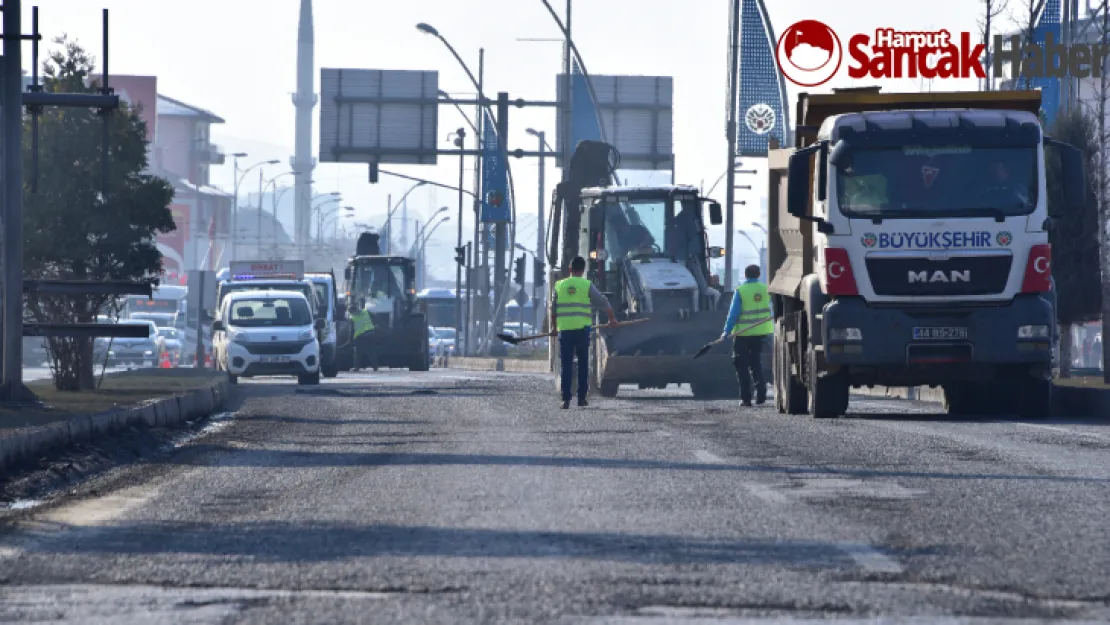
<point x="267" y="333"/>
<point x="326" y="299"/>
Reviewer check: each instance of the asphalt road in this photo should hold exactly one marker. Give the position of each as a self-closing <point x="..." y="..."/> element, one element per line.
<point x="453" y="497"/>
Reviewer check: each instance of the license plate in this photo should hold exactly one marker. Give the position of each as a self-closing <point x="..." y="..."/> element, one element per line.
<point x="939" y="334"/>
<point x="276" y="359"/>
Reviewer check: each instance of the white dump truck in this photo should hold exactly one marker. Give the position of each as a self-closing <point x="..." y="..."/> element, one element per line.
<point x="909" y="247"/>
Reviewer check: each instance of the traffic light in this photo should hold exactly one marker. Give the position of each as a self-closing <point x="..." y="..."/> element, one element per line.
<point x="537" y="273"/>
<point x="373" y="173"/>
<point x="460" y="255"/>
<point x="519" y="278"/>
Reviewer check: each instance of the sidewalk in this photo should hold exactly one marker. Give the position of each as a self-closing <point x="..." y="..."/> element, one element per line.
<point x="142" y="397"/>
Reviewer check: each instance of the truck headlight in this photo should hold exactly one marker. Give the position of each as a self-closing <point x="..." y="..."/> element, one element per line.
<point x="241" y="338"/>
<point x="1032" y="332"/>
<point x="845" y="334"/>
<point x="306" y="336"/>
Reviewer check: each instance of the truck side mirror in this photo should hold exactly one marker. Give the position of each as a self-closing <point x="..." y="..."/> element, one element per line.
<point x="1075" y="178"/>
<point x="410" y="274"/>
<point x="797" y="190"/>
<point x="347" y="273"/>
<point x="341" y="310"/>
<point x="715" y="216"/>
<point x="716" y="252"/>
<point x="218" y="326"/>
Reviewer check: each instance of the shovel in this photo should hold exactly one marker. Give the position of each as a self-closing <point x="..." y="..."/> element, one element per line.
<point x="516" y="340"/>
<point x="710" y="345"/>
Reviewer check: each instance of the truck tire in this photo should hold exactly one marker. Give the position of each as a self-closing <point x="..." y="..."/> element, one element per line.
<point x="795" y="399"/>
<point x="1035" y="399"/>
<point x="828" y="396"/>
<point x="776" y="373"/>
<point x="976" y="399"/>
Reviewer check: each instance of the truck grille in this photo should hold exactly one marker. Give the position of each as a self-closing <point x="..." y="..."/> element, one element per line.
<point x="275" y="348"/>
<point x="961" y="275"/>
<point x="665" y="301"/>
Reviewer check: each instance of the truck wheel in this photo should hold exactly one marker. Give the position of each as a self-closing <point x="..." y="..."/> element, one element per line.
<point x="828" y="396"/>
<point x="776" y="372"/>
<point x="1035" y="399"/>
<point x="795" y="397"/>
<point x="609" y="388"/>
<point x="420" y="365"/>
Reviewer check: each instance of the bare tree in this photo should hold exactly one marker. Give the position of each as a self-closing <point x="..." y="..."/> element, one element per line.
<point x="1100" y="90"/>
<point x="1025" y="18"/>
<point x="1102" y="26"/>
<point x="991" y="10"/>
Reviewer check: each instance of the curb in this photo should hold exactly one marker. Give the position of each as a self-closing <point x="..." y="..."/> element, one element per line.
<point x="1067" y="400"/>
<point x="165" y="412"/>
<point x="498" y="364"/>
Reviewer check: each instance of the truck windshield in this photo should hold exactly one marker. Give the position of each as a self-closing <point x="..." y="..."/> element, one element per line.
<point x="937" y="181"/>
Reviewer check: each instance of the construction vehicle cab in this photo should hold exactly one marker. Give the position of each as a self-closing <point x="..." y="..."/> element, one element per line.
<point x="386" y="287"/>
<point x="647" y="250"/>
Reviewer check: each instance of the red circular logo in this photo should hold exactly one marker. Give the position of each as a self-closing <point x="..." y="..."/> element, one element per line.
<point x="809" y="53"/>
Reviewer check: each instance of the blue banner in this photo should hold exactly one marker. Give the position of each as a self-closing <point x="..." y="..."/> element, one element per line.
<point x="761" y="112"/>
<point x="495" y="176"/>
<point x="1049" y="23"/>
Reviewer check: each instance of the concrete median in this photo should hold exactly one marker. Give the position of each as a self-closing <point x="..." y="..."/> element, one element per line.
<point x="39" y="435"/>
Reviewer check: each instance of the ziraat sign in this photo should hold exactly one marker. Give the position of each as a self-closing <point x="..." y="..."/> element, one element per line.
<point x="809" y="53"/>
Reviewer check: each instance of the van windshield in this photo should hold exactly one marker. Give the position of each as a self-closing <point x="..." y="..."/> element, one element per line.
<point x="250" y="313"/>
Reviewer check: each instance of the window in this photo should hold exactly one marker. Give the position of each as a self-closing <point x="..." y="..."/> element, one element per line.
<point x="250" y="312"/>
<point x="379" y="280"/>
<point x="323" y="302"/>
<point x="634" y="227"/>
<point x="936" y="181"/>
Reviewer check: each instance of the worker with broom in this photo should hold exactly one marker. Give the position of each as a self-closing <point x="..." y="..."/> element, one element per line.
<point x="749" y="322"/>
<point x="571" y="317"/>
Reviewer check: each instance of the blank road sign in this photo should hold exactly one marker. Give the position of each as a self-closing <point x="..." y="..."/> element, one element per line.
<point x="378" y="116"/>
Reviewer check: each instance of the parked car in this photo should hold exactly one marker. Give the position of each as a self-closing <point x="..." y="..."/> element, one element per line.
<point x="445" y="343"/>
<point x="433" y="343"/>
<point x="170" y="340"/>
<point x="138" y="351"/>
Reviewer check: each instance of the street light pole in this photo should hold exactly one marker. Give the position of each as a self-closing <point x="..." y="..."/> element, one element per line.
<point x="730" y="131"/>
<point x="387" y="228"/>
<point x="537" y="294"/>
<point x="461" y="144"/>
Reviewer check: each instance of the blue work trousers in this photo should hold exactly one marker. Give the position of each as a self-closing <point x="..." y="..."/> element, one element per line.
<point x="574" y="343"/>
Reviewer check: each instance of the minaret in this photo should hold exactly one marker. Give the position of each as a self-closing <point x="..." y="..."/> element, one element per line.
<point x="304" y="100"/>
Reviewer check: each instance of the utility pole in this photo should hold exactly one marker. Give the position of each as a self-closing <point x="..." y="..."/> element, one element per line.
<point x="501" y="232"/>
<point x="730" y="132"/>
<point x="460" y="142"/>
<point x="538" y="299"/>
<point x="480" y="305"/>
<point x="258" y="252"/>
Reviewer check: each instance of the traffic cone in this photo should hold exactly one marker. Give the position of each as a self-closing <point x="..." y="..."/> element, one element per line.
<point x="164" y="361"/>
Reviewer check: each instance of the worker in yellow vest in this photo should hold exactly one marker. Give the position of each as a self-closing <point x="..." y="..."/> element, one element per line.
<point x="571" y="317"/>
<point x="362" y="326"/>
<point x="750" y="322"/>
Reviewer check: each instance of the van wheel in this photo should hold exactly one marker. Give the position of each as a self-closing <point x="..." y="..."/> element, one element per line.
<point x="330" y="371"/>
<point x="232" y="379"/>
<point x="313" y="378"/>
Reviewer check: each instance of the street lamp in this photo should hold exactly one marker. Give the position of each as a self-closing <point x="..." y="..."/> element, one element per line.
<point x="422" y="237"/>
<point x="387" y="227"/>
<point x="447" y="96"/>
<point x="763" y="251"/>
<point x="239" y="177"/>
<point x="262" y="193"/>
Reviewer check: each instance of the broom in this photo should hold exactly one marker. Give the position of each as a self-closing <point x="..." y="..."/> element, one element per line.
<point x="516" y="340"/>
<point x="710" y="345"/>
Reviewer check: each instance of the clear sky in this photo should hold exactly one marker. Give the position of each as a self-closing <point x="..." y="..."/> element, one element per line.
<point x="237" y="58"/>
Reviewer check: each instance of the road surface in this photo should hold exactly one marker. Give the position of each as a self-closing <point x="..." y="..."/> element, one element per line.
<point x="455" y="497"/>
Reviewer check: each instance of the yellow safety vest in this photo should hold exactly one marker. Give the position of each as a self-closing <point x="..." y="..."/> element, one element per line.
<point x="755" y="305"/>
<point x="362" y="321"/>
<point x="572" y="304"/>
